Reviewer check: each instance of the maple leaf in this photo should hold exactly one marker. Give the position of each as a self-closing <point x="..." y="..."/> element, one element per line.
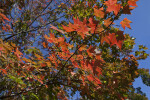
<point x="125" y="23"/>
<point x="119" y="44"/>
<point x="107" y="22"/>
<point x="83" y="29"/>
<point x="127" y="9"/>
<point x="99" y="12"/>
<point x="120" y="35"/>
<point x="99" y="29"/>
<point x="113" y="6"/>
<point x="110" y="2"/>
<point x="79" y="26"/>
<point x="60" y="39"/>
<point x="93" y="79"/>
<point x="92" y="24"/>
<point x="67" y="29"/>
<point x="90" y="50"/>
<point x="73" y="26"/>
<point x="89" y="67"/>
<point x="99" y="71"/>
<point x="76" y="21"/>
<point x="51" y="39"/>
<point x="120" y="38"/>
<point x="111" y="40"/>
<point x="97" y="81"/>
<point x="132" y="2"/>
<point x="90" y="77"/>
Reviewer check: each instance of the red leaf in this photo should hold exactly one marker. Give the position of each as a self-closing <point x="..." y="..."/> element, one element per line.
<point x="113" y="6"/>
<point x="92" y="24"/>
<point x="99" y="71"/>
<point x="79" y="26"/>
<point x="97" y="81"/>
<point x="90" y="77"/>
<point x="93" y="79"/>
<point x="111" y="40"/>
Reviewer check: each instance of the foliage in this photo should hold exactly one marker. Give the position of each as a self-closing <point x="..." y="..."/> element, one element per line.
<point x="50" y="49"/>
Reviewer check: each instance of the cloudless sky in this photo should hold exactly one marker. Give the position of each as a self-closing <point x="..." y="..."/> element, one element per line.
<point x="140" y="30"/>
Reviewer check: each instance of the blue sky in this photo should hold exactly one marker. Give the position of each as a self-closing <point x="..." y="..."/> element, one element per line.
<point x="140" y="30"/>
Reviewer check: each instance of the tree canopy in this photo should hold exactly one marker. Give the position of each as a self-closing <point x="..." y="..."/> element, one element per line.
<point x="51" y="49"/>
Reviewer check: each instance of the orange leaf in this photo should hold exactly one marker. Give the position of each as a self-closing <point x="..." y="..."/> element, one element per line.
<point x="83" y="48"/>
<point x="78" y="26"/>
<point x="51" y="39"/>
<point x="44" y="45"/>
<point x="99" y="29"/>
<point x="92" y="24"/>
<point x="99" y="12"/>
<point x="111" y="40"/>
<point x="107" y="22"/>
<point x="67" y="29"/>
<point x="132" y="2"/>
<point x="125" y="23"/>
<point x="113" y="6"/>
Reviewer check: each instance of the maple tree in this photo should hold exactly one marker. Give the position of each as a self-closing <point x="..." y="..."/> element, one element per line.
<point x="50" y="49"/>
